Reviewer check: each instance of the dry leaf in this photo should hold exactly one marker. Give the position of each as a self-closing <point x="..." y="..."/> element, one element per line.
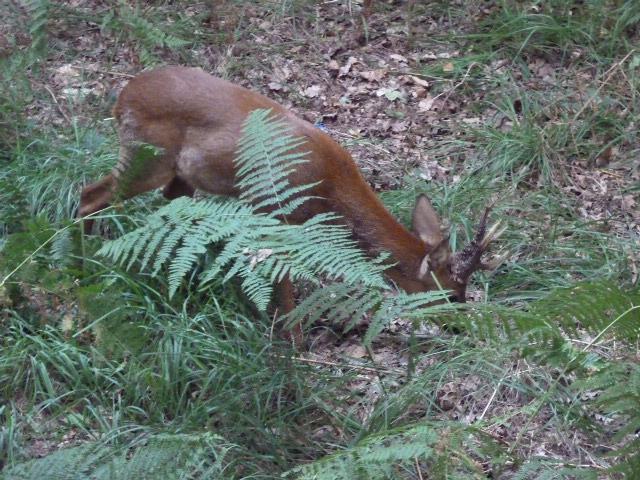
<point x="628" y="202"/>
<point x="399" y="127"/>
<point x="66" y="325"/>
<point x="426" y="104"/>
<point x="390" y="93"/>
<point x="471" y="120"/>
<point x="356" y="351"/>
<point x="605" y="157"/>
<point x="313" y="91"/>
<point x="347" y="66"/>
<point x="398" y="57"/>
<point x="419" y="81"/>
<point x="373" y="75"/>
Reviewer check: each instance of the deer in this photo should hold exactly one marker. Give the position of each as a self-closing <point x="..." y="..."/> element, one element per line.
<point x="195" y="120"/>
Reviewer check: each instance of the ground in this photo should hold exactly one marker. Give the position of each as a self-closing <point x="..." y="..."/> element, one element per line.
<point x="422" y="100"/>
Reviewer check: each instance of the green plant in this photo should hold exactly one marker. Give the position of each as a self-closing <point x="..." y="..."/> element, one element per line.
<point x="148" y="36"/>
<point x="558" y="26"/>
<point x="617" y="388"/>
<point x="403" y="453"/>
<point x="168" y="455"/>
<point x="9" y="434"/>
<point x="260" y="249"/>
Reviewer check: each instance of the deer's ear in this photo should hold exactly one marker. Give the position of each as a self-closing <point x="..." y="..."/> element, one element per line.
<point x="426" y="222"/>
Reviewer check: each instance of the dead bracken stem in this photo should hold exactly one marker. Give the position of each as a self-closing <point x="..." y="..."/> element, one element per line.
<point x="418" y="468"/>
<point x="55" y="101"/>
<point x="343" y="365"/>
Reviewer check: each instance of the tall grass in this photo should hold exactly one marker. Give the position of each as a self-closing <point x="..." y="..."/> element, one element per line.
<point x="92" y="355"/>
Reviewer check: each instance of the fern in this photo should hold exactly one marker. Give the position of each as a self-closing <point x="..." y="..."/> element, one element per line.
<point x="594" y="307"/>
<point x="147" y="36"/>
<point x="263" y="172"/>
<point x="618" y="387"/>
<point x="547" y="469"/>
<point x="163" y="456"/>
<point x="39" y="13"/>
<point x="347" y="303"/>
<point x="258" y="247"/>
<point x="397" y="454"/>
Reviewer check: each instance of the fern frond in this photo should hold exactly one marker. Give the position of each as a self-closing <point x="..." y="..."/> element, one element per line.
<point x="594" y="307"/>
<point x="149" y="36"/>
<point x="258" y="248"/>
<point x="436" y="449"/>
<point x="372" y="458"/>
<point x="178" y="234"/>
<point x="548" y="469"/>
<point x="163" y="456"/>
<point x="61" y="247"/>
<point x="267" y="155"/>
<point x="39" y="12"/>
<point x="406" y="305"/>
<point x="342" y="303"/>
<point x="618" y="387"/>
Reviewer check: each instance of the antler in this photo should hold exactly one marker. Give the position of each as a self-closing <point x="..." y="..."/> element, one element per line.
<point x="468" y="260"/>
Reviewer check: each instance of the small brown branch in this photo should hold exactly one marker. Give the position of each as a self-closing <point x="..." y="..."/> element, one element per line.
<point x="106" y="72"/>
<point x="342" y="365"/>
<point x="418" y="468"/>
<point x="55" y="100"/>
<point x="609" y="73"/>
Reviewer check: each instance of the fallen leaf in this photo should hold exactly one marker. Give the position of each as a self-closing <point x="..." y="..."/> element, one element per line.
<point x="399" y="127"/>
<point x="628" y="202"/>
<point x="393" y="95"/>
<point x="398" y="58"/>
<point x="471" y="120"/>
<point x="426" y="104"/>
<point x="373" y="75"/>
<point x="389" y="93"/>
<point x="356" y="351"/>
<point x="312" y="91"/>
<point x="605" y="157"/>
<point x="347" y="66"/>
<point x="418" y="81"/>
<point x="66" y="325"/>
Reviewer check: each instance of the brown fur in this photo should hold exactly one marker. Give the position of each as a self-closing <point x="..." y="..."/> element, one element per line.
<point x="196" y="119"/>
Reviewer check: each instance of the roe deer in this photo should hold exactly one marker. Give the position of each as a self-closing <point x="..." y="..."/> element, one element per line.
<point x="196" y="121"/>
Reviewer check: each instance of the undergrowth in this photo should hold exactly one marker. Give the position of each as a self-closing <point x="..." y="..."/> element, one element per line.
<point x="112" y="371"/>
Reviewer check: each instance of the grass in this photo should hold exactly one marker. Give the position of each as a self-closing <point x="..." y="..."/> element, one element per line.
<point x="93" y="355"/>
<point x="596" y="28"/>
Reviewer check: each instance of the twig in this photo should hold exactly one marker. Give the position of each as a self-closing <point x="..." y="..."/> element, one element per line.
<point x="609" y="73"/>
<point x="453" y="89"/>
<point x="418" y="468"/>
<point x="493" y="395"/>
<point x="55" y="100"/>
<point x="341" y="365"/>
<point x="107" y="72"/>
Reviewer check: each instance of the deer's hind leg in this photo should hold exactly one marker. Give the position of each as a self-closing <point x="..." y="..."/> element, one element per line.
<point x="136" y="172"/>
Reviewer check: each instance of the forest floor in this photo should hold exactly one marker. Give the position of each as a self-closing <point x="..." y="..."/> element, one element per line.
<point x="427" y="96"/>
